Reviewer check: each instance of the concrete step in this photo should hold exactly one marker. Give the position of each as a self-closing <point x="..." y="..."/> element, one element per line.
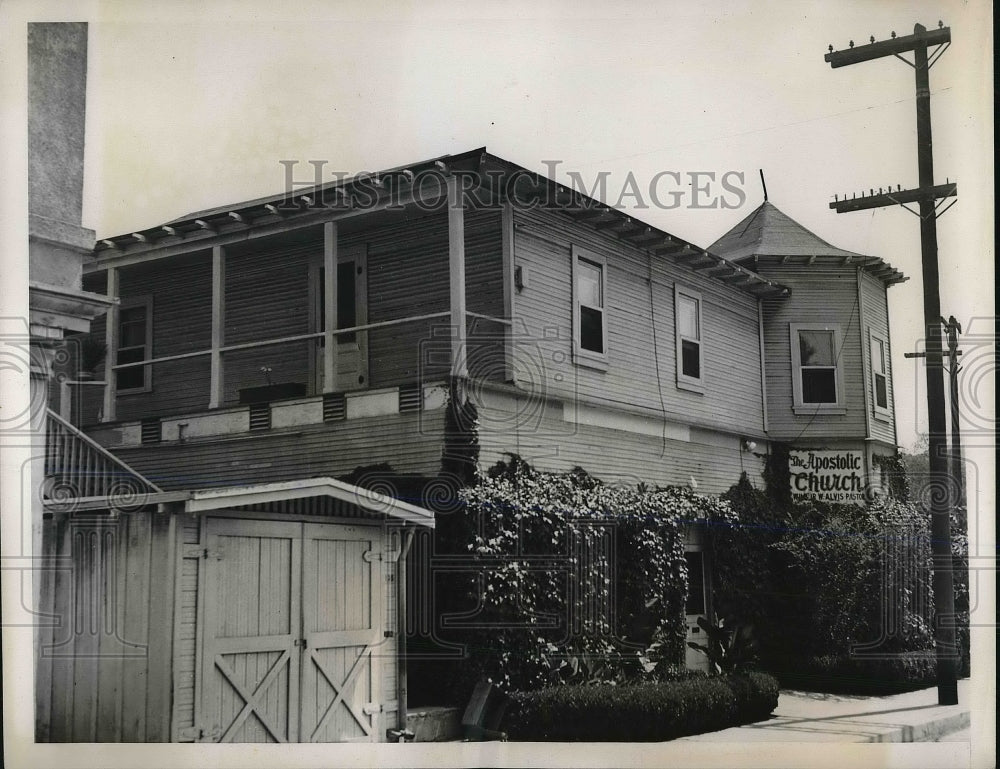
<point x="434" y="724"/>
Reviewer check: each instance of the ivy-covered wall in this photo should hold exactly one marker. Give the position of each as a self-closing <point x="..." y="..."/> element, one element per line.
<point x="577" y="580"/>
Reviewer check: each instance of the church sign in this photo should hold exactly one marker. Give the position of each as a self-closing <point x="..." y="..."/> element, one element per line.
<point x="827" y="475"/>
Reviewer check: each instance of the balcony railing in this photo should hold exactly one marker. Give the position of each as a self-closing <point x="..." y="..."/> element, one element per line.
<point x="481" y="329"/>
<point x="77" y="469"/>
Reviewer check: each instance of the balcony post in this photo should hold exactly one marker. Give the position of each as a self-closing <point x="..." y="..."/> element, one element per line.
<point x="108" y="413"/>
<point x="329" y="307"/>
<point x="218" y="325"/>
<point x="456" y="271"/>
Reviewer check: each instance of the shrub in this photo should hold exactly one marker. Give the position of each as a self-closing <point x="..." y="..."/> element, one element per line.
<point x="860" y="675"/>
<point x="640" y="712"/>
<point x="823" y="580"/>
<point x="730" y="648"/>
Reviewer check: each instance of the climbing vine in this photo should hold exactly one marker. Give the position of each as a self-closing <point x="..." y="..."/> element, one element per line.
<point x="894" y="470"/>
<point x="566" y="566"/>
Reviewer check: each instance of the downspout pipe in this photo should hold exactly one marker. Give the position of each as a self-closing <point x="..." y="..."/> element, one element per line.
<point x="401" y="632"/>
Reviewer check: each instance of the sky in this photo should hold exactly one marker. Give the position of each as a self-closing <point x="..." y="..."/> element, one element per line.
<point x="192" y="106"/>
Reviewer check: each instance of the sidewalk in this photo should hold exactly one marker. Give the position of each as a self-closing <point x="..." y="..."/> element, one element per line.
<point x="817" y="717"/>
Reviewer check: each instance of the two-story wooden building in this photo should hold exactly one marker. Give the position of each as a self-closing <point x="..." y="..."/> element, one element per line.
<point x="262" y="355"/>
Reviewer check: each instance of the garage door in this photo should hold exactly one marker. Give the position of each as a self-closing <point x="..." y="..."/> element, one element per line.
<point x="291" y="626"/>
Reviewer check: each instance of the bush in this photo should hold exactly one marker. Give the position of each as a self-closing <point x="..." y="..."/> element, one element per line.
<point x="821" y="580"/>
<point x="859" y="675"/>
<point x="553" y="554"/>
<point x="642" y="712"/>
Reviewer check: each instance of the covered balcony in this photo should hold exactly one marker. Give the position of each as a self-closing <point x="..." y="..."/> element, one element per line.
<point x="250" y="319"/>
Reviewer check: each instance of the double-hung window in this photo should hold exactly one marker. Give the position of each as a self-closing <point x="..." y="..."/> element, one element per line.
<point x="879" y="350"/>
<point x="687" y="320"/>
<point x="590" y="322"/>
<point x="817" y="381"/>
<point x="135" y="343"/>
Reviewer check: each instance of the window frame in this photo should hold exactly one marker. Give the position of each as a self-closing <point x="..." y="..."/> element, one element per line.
<point x="581" y="355"/>
<point x="685" y="381"/>
<point x="880" y="412"/>
<point x="799" y="406"/>
<point x="130" y="304"/>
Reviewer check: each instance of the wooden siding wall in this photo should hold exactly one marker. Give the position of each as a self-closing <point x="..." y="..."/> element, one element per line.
<point x="714" y="460"/>
<point x="819" y="295"/>
<point x="410" y="443"/>
<point x="484" y="294"/>
<point x="181" y="290"/>
<point x="641" y="371"/>
<point x="873" y="293"/>
<point x="408" y="275"/>
<point x="110" y="654"/>
<point x="185" y="630"/>
<point x="267" y="296"/>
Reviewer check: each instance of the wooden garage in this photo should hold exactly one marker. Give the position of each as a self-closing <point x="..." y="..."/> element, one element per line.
<point x="265" y="613"/>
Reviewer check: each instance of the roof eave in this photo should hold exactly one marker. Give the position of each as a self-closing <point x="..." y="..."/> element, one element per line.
<point x="380" y="505"/>
<point x="301" y="206"/>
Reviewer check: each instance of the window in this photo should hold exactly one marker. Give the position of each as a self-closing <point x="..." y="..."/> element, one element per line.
<point x="590" y="328"/>
<point x="135" y="342"/>
<point x="687" y="319"/>
<point x="880" y="373"/>
<point x="816" y="377"/>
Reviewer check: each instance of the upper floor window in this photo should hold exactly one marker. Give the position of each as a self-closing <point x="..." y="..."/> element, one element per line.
<point x="687" y="318"/>
<point x="880" y="373"/>
<point x="590" y="326"/>
<point x="135" y="342"/>
<point x="817" y="381"/>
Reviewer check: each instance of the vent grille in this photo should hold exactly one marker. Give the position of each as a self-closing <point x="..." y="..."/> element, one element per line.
<point x="334" y="407"/>
<point x="260" y="416"/>
<point x="150" y="431"/>
<point x="411" y="397"/>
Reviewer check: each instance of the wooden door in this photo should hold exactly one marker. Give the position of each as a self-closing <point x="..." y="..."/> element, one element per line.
<point x="352" y="310"/>
<point x="251" y="643"/>
<point x="342" y="628"/>
<point x="291" y="631"/>
<point x="696" y="607"/>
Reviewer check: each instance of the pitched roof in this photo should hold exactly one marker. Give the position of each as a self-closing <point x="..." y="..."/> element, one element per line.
<point x="770" y="232"/>
<point x="336" y="199"/>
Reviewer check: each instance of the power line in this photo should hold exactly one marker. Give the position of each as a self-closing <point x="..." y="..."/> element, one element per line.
<point x="926" y="196"/>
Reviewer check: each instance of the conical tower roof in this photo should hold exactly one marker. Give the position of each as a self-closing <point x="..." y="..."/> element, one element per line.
<point x="770" y="232"/>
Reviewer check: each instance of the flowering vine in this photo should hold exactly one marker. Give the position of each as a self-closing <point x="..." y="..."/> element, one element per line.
<point x="578" y="580"/>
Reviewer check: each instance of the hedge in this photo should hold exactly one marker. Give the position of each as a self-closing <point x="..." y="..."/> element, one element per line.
<point x="642" y="712"/>
<point x="860" y="675"/>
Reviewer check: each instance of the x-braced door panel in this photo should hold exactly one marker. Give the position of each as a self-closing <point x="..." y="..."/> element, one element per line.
<point x="292" y="627"/>
<point x="342" y="622"/>
<point x="250" y="659"/>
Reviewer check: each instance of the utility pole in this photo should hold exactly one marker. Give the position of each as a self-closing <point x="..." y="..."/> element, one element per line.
<point x="954" y="328"/>
<point x="927" y="195"/>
